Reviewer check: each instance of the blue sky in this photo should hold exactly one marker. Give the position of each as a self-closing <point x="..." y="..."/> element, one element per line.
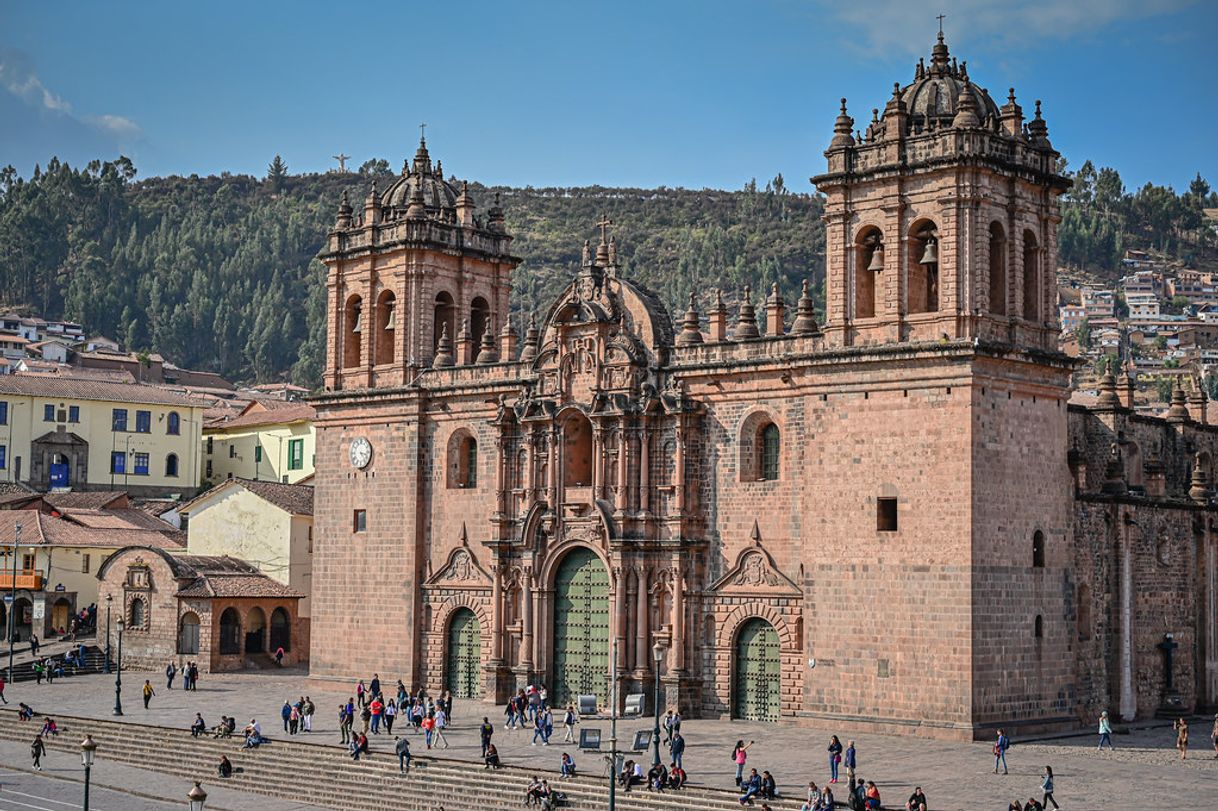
<point x="665" y="92"/>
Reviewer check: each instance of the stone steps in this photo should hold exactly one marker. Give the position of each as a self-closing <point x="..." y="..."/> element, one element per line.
<point x="325" y="775"/>
<point x="95" y="660"/>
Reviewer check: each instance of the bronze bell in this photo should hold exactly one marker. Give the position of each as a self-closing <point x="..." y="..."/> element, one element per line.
<point x="356" y="325"/>
<point x="391" y="320"/>
<point x="931" y="255"/>
<point x="877" y="260"/>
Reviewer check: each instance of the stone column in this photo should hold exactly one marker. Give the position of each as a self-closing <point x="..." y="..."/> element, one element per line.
<point x="598" y="459"/>
<point x="619" y="617"/>
<point x="677" y="654"/>
<point x="555" y="456"/>
<point x="679" y="472"/>
<point x="642" y="659"/>
<point x="1129" y="701"/>
<point x="623" y="444"/>
<point x="1209" y="631"/>
<point x="526" y="608"/>
<point x="497" y="615"/>
<point x="644" y="467"/>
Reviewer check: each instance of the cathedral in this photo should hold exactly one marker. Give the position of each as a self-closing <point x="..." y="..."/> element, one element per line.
<point x="895" y="518"/>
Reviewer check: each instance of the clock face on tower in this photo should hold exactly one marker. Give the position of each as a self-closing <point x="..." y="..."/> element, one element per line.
<point x="360" y="452"/>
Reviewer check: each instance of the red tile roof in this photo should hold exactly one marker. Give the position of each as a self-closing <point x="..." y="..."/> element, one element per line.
<point x="270" y="415"/>
<point x="84" y="389"/>
<point x="294" y="499"/>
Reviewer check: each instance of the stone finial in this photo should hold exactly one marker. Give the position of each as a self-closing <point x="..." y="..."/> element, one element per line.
<point x="465" y="206"/>
<point x="487" y="353"/>
<point x="1198" y="404"/>
<point x="1126" y="387"/>
<point x="532" y="340"/>
<point x="494" y="217"/>
<point x="691" y="332"/>
<point x="439" y="169"/>
<point x="966" y="108"/>
<point x="746" y="319"/>
<point x="775" y="312"/>
<point x="842" y="130"/>
<point x="344" y="212"/>
<point x="444" y="349"/>
<point x="939" y="57"/>
<point x="1108" y="390"/>
<point x="1178" y="412"/>
<point x="1114" y="472"/>
<point x="805" y="314"/>
<point x="718" y="318"/>
<point x="416" y="209"/>
<point x="612" y="252"/>
<point x="1199" y="486"/>
<point x="1038" y="130"/>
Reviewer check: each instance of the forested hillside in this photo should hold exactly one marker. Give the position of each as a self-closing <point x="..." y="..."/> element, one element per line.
<point x="218" y="273"/>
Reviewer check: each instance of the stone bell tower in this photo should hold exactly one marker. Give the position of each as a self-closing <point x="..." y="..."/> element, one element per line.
<point x="416" y="269"/>
<point x="941" y="217"/>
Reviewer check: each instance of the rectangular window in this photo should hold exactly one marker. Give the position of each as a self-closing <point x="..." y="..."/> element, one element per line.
<point x="118" y="419"/>
<point x="886" y="514"/>
<point x="208" y="473"/>
<point x="28" y="561"/>
<point x="48" y="412"/>
<point x="143" y="422"/>
<point x="257" y="453"/>
<point x="232" y="450"/>
<point x="73" y="413"/>
<point x="210" y="442"/>
<point x="3" y="457"/>
<point x="360" y="523"/>
<point x="295" y="454"/>
<point x="84" y="564"/>
<point x="118" y="462"/>
<point x="3" y="413"/>
<point x="141" y="464"/>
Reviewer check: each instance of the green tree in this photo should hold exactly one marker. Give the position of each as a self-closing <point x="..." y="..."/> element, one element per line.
<point x="276" y="174"/>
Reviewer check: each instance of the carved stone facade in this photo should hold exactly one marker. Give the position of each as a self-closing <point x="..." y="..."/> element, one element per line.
<point x="830" y="525"/>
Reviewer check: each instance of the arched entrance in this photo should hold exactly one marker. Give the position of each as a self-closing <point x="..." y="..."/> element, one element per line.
<point x="59" y="472"/>
<point x="758" y="669"/>
<point x="255" y="631"/>
<point x="581" y="628"/>
<point x="23" y="616"/>
<point x="281" y="630"/>
<point x="462" y="671"/>
<point x="230" y="632"/>
<point x="188" y="633"/>
<point x="61" y="614"/>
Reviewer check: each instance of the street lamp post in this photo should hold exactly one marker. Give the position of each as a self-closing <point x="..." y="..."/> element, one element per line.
<point x="197" y="797"/>
<point x="118" y="672"/>
<point x="87" y="748"/>
<point x="106" y="663"/>
<point x="12" y="605"/>
<point x="657" y="651"/>
<point x="613" y="731"/>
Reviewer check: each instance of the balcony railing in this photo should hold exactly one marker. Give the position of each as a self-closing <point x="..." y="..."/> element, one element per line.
<point x="30" y="579"/>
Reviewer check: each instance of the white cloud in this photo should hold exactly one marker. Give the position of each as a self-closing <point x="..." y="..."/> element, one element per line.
<point x="17" y="76"/>
<point x="117" y="125"/>
<point x="893" y="25"/>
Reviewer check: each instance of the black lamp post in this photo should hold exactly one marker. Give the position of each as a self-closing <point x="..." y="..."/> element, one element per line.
<point x="118" y="672"/>
<point x="12" y="606"/>
<point x="657" y="651"/>
<point x="197" y="797"/>
<point x="87" y="748"/>
<point x="106" y="664"/>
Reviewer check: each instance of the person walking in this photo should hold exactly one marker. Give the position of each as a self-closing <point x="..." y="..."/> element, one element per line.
<point x="1000" y="751"/>
<point x="402" y="747"/>
<point x="306" y="717"/>
<point x="285" y="712"/>
<point x="148" y="692"/>
<point x="359" y="692"/>
<point x="569" y="720"/>
<point x="740" y="757"/>
<point x="171" y="670"/>
<point x="377" y="708"/>
<point x="1105" y="731"/>
<point x="344" y="722"/>
<point x="485" y="732"/>
<point x="294" y="720"/>
<point x="1180" y="725"/>
<point x="835" y="758"/>
<point x="37" y="750"/>
<point x="194" y="677"/>
<point x="429" y="729"/>
<point x="5" y="700"/>
<point x="676" y="748"/>
<point x="1046" y="785"/>
<point x="388" y="716"/>
<point x="851" y="760"/>
<point x="441" y="725"/>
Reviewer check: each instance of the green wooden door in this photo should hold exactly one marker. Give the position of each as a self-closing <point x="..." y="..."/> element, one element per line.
<point x="464" y="671"/>
<point x="758" y="672"/>
<point x="581" y="628"/>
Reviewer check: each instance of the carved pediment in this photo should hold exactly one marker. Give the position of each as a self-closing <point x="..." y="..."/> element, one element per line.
<point x="462" y="569"/>
<point x="754" y="573"/>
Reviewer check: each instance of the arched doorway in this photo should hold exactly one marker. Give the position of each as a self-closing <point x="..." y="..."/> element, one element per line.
<point x="23" y="616"/>
<point x="758" y="669"/>
<point x="61" y="614"/>
<point x="581" y="628"/>
<point x="188" y="633"/>
<point x="230" y="632"/>
<point x="281" y="630"/>
<point x="255" y="631"/>
<point x="59" y="472"/>
<point x="462" y="671"/>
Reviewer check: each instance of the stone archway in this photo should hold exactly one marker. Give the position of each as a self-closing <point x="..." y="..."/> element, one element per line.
<point x="756" y="672"/>
<point x="581" y="628"/>
<point x="463" y="660"/>
<point x="255" y="631"/>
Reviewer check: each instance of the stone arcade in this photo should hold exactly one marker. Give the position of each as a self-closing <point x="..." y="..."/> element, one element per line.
<point x="896" y="520"/>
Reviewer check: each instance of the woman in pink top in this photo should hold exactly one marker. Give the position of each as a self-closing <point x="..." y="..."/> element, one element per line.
<point x="740" y="756"/>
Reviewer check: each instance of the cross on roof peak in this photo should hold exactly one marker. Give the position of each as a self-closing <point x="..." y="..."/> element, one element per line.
<point x="604" y="225"/>
<point x="940" y="19"/>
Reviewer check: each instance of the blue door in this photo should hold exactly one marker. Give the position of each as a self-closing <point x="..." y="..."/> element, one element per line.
<point x="59" y="475"/>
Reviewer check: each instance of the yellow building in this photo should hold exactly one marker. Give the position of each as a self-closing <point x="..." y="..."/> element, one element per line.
<point x="84" y="434"/>
<point x="58" y="557"/>
<point x="267" y="524"/>
<point x="267" y="441"/>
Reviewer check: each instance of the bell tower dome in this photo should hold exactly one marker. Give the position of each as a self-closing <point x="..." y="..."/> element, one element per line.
<point x="941" y="217"/>
<point x="416" y="268"/>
